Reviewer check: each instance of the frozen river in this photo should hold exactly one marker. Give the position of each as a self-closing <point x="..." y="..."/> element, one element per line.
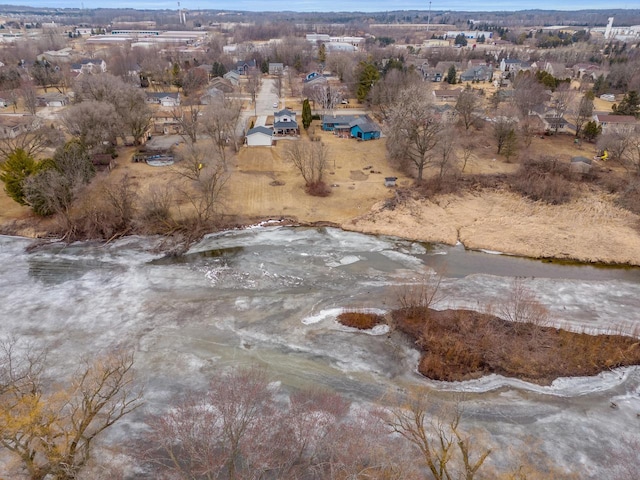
<point x="270" y="295"/>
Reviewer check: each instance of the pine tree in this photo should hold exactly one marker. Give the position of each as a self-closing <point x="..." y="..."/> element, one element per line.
<point x="306" y="113"/>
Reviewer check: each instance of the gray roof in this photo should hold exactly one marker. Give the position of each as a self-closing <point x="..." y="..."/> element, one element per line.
<point x="292" y="124"/>
<point x="365" y="124"/>
<point x="581" y="160"/>
<point x="260" y="129"/>
<point x="283" y="112"/>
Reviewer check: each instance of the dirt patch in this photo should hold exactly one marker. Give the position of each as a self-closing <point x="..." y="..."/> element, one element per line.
<point x="360" y="320"/>
<point x="358" y="175"/>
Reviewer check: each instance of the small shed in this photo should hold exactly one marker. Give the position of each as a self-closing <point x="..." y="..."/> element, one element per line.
<point x="390" y="181"/>
<point x="260" y="137"/>
<point x="581" y="165"/>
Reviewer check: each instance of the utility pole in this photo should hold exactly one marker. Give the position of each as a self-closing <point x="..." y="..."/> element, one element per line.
<point x="429" y="17"/>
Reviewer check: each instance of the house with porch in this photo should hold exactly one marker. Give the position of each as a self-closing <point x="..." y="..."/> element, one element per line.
<point x="89" y="65"/>
<point x="480" y="73"/>
<point x="361" y="127"/>
<point x="164" y="99"/>
<point x="276" y="68"/>
<point x="285" y="124"/>
<point x="245" y="67"/>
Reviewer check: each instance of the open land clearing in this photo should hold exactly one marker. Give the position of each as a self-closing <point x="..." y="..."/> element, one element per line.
<point x="263" y="185"/>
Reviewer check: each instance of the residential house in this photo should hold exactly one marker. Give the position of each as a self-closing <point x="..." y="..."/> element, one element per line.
<point x="164" y="123"/>
<point x="361" y="127"/>
<point x="430" y="74"/>
<point x="446" y="95"/>
<point x="482" y="73"/>
<point x="510" y="65"/>
<point x="616" y="123"/>
<point x="259" y="137"/>
<point x="165" y="99"/>
<point x="443" y="68"/>
<point x="221" y="84"/>
<point x="364" y="128"/>
<point x="558" y="70"/>
<point x="591" y="70"/>
<point x="52" y="99"/>
<point x="211" y="95"/>
<point x="89" y="65"/>
<point x="12" y="125"/>
<point x="276" y="68"/>
<point x="233" y="77"/>
<point x="245" y="67"/>
<point x="284" y="123"/>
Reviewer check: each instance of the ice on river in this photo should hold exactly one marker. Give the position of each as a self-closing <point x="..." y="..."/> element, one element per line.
<point x="270" y="295"/>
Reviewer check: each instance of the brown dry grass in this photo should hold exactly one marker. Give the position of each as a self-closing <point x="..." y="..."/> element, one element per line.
<point x="360" y="320"/>
<point x="462" y="344"/>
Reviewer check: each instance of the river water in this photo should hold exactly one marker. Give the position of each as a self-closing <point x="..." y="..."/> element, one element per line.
<point x="270" y="295"/>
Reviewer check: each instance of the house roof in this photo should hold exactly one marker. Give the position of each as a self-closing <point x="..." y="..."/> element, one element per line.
<point x="260" y="129"/>
<point x="291" y="124"/>
<point x="447" y="93"/>
<point x="163" y="94"/>
<point x="365" y="124"/>
<point x="283" y="112"/>
<point x="344" y="120"/>
<point x="608" y="118"/>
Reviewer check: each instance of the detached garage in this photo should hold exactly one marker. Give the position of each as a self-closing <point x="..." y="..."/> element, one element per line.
<point x="260" y="137"/>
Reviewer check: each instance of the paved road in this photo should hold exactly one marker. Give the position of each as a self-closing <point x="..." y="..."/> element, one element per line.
<point x="263" y="107"/>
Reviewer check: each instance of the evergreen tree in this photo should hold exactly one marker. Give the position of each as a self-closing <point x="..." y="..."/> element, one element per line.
<point x="451" y="75"/>
<point x="14" y="171"/>
<point x="306" y="113"/>
<point x="630" y="105"/>
<point x="591" y="130"/>
<point x="322" y="53"/>
<point x="368" y="77"/>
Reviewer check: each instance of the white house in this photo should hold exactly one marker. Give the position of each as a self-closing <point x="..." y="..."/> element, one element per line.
<point x="89" y="65"/>
<point x="165" y="99"/>
<point x="260" y="137"/>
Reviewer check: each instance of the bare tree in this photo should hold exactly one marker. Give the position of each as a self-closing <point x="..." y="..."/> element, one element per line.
<point x="219" y="122"/>
<point x="93" y="123"/>
<point x="29" y="98"/>
<point x="205" y="193"/>
<point x="445" y="151"/>
<point x="253" y="84"/>
<point x="311" y="159"/>
<point x="503" y="130"/>
<point x="521" y="307"/>
<point x="527" y="93"/>
<point x="467" y="107"/>
<point x="561" y="102"/>
<point x="326" y="96"/>
<point x="414" y="129"/>
<point x="436" y="438"/>
<point x="425" y="293"/>
<point x="188" y="119"/>
<point x="51" y="426"/>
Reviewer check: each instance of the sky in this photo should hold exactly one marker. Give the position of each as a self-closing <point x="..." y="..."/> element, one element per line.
<point x="344" y="5"/>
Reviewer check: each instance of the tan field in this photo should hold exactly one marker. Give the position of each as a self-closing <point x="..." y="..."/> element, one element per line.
<point x="263" y="185"/>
